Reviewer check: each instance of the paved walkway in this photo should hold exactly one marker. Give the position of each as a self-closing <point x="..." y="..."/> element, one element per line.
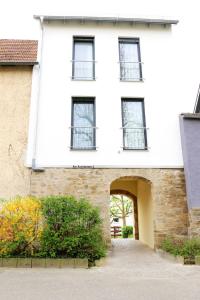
<point x="133" y="271"/>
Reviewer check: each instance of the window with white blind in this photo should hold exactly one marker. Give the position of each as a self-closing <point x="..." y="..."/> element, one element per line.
<point x="130" y="60"/>
<point x="133" y="124"/>
<point x="83" y="130"/>
<point x="83" y="63"/>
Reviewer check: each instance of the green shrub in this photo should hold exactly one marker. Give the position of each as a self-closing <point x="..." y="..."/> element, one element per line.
<point x="190" y="248"/>
<point x="72" y="229"/>
<point x="57" y="226"/>
<point x="187" y="248"/>
<point x="127" y="231"/>
<point x="172" y="246"/>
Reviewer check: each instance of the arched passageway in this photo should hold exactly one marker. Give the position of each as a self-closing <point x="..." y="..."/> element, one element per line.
<point x="135" y="207"/>
<point x="139" y="190"/>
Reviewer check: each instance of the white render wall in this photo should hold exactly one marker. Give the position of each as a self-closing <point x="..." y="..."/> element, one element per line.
<point x="163" y="99"/>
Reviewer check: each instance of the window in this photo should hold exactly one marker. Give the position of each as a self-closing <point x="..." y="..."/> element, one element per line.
<point x="133" y="124"/>
<point x="129" y="59"/>
<point x="83" y="130"/>
<point x="83" y="67"/>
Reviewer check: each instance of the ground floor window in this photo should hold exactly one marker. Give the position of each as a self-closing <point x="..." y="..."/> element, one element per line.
<point x="83" y="130"/>
<point x="133" y="124"/>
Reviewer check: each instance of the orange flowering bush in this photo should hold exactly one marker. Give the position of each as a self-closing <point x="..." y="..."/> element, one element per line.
<point x="21" y="226"/>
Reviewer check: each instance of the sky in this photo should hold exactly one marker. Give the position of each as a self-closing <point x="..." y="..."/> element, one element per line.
<point x="16" y="17"/>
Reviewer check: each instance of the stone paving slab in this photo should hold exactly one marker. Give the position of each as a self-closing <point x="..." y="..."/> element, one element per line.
<point x="132" y="271"/>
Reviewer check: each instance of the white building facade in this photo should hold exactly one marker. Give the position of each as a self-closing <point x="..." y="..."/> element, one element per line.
<point x="143" y="86"/>
<point x="104" y="118"/>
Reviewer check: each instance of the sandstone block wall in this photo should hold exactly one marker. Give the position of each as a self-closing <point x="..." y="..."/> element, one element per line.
<point x="194" y="219"/>
<point x="170" y="213"/>
<point x="15" y="89"/>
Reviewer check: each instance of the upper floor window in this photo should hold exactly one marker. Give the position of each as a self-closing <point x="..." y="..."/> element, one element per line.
<point x="83" y="130"/>
<point x="130" y="60"/>
<point x="83" y="66"/>
<point x="133" y="124"/>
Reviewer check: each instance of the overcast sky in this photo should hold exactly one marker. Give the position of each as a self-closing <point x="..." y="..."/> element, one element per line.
<point x="16" y="17"/>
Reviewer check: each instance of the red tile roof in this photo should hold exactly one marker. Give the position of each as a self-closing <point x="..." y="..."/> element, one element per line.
<point x="18" y="51"/>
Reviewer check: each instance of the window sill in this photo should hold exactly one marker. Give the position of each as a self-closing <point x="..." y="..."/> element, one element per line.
<point x="83" y="79"/>
<point x="83" y="149"/>
<point x="135" y="149"/>
<point x="132" y="80"/>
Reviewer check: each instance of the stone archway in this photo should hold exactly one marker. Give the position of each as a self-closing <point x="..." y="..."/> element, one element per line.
<point x="135" y="207"/>
<point x="170" y="211"/>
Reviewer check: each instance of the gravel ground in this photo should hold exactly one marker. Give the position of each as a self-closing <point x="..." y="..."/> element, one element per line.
<point x="133" y="271"/>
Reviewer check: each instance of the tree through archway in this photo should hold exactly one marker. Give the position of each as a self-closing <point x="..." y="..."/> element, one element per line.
<point x="121" y="207"/>
<point x="134" y="205"/>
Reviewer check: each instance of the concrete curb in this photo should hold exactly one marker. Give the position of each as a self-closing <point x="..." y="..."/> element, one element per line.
<point x="166" y="255"/>
<point x="101" y="262"/>
<point x="197" y="260"/>
<point x="18" y="262"/>
<point x="176" y="259"/>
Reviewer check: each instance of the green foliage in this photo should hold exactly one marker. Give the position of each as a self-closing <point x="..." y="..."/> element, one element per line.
<point x="57" y="226"/>
<point x="127" y="231"/>
<point x="190" y="248"/>
<point x="187" y="248"/>
<point x="72" y="229"/>
<point x="172" y="246"/>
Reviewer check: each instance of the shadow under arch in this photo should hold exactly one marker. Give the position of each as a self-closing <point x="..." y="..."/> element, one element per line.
<point x="135" y="207"/>
<point x="132" y="177"/>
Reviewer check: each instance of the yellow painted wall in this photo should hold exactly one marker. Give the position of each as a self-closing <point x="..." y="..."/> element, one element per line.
<point x="126" y="185"/>
<point x="145" y="213"/>
<point x="15" y="89"/>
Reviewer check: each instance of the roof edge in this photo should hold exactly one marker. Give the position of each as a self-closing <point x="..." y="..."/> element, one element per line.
<point x="18" y="63"/>
<point x="191" y="115"/>
<point x="108" y="19"/>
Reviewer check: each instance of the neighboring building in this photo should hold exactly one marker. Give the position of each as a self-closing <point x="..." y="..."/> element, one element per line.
<point x="190" y="133"/>
<point x="17" y="58"/>
<point x="103" y="120"/>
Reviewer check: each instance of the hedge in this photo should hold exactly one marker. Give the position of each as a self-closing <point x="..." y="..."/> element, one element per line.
<point x="54" y="226"/>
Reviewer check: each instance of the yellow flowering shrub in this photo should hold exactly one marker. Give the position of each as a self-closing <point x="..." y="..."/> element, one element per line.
<point x="21" y="226"/>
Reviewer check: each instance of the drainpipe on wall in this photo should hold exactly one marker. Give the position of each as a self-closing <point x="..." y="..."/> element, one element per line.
<point x="40" y="52"/>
